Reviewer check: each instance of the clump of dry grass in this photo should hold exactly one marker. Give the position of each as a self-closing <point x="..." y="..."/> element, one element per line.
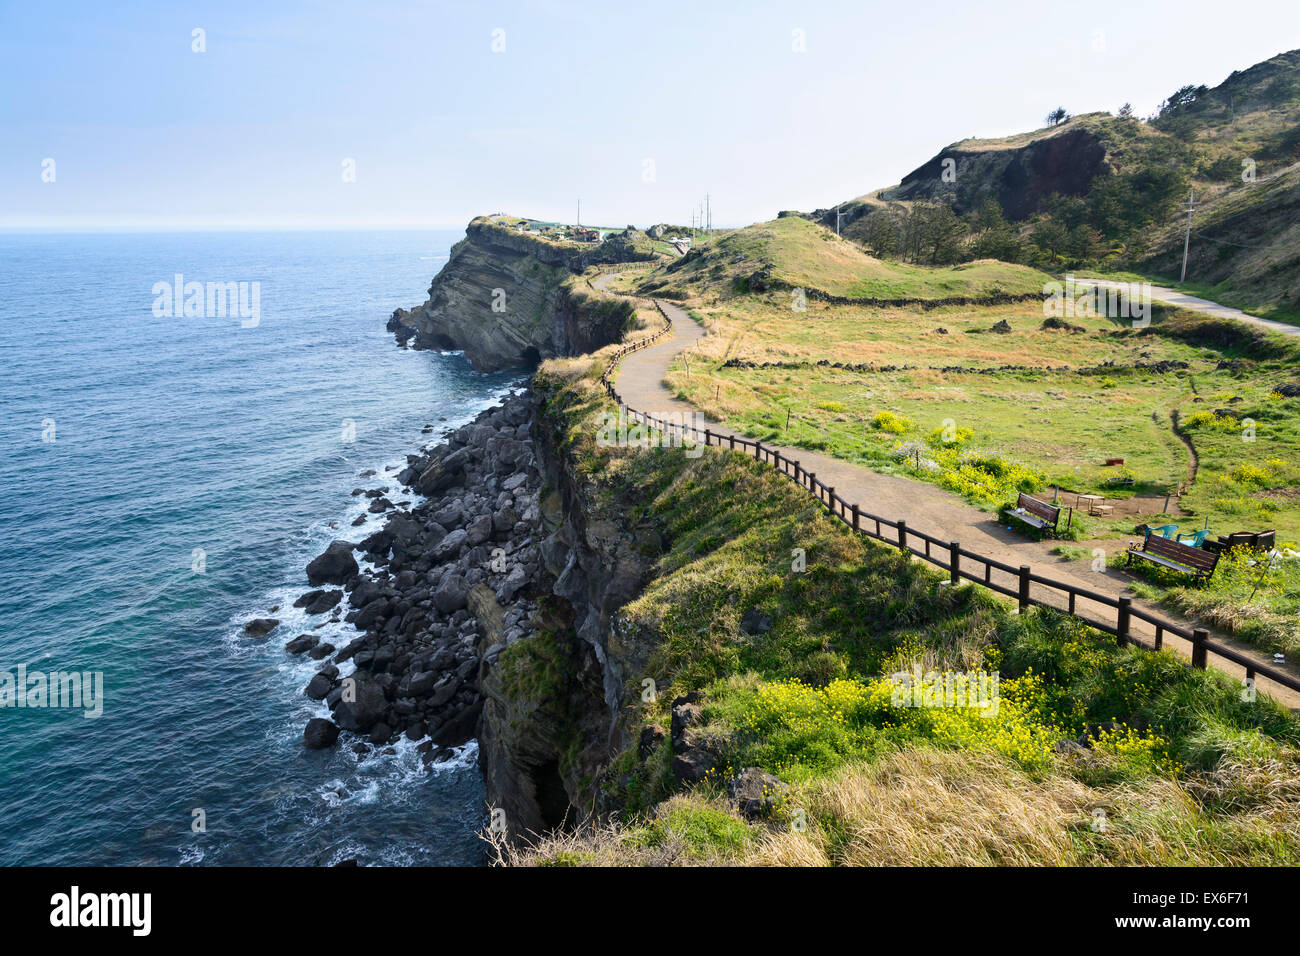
<point x="927" y="807"/>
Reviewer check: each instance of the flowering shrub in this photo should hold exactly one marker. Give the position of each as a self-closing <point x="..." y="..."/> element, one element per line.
<point x="986" y="478"/>
<point x="894" y="424"/>
<point x="1211" y="421"/>
<point x="958" y="437"/>
<point x="800" y="730"/>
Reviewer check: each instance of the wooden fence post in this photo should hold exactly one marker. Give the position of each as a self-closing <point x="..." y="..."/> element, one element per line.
<point x="856" y="516"/>
<point x="1199" y="650"/>
<point x="1125" y="620"/>
<point x="758" y="450"/>
<point x="954" y="563"/>
<point x="1024" y="587"/>
<point x="902" y="535"/>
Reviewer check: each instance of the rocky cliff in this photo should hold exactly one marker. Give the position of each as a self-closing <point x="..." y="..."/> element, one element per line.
<point x="510" y="299"/>
<point x="554" y="695"/>
<point x="1020" y="176"/>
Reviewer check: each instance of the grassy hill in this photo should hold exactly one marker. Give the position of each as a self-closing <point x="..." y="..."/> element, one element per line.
<point x="792" y="252"/>
<point x="1109" y="192"/>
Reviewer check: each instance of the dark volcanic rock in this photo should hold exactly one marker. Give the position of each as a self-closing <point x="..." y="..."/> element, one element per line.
<point x="364" y="712"/>
<point x="318" y="687"/>
<point x="261" y="626"/>
<point x="302" y="642"/>
<point x="326" y="601"/>
<point x="319" y="734"/>
<point x="755" y="793"/>
<point x="335" y="565"/>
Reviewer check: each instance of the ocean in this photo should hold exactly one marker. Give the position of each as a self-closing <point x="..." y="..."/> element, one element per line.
<point x="167" y="474"/>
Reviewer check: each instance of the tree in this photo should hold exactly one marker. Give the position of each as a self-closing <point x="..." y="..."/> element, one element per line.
<point x="1051" y="238"/>
<point x="879" y="233"/>
<point x="1057" y="116"/>
<point x="1181" y="100"/>
<point x="1126" y="111"/>
<point x="942" y="234"/>
<point x="996" y="238"/>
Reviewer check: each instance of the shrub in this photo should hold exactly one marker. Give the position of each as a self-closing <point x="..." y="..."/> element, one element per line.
<point x="894" y="424"/>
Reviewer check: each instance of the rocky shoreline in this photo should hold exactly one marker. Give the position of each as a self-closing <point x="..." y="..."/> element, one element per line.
<point x="433" y="569"/>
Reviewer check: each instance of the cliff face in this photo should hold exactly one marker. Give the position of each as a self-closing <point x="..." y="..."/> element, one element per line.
<point x="553" y="698"/>
<point x="1018" y="177"/>
<point x="509" y="299"/>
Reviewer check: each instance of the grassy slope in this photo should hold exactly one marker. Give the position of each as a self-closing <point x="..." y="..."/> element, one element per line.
<point x="1193" y="774"/>
<point x="799" y="253"/>
<point x="1247" y="253"/>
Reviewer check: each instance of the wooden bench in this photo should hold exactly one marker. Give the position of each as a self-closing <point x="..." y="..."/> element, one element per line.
<point x="1174" y="555"/>
<point x="1035" y="513"/>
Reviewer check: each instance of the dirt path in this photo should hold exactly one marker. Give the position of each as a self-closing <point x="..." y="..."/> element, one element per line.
<point x="924" y="507"/>
<point x="1173" y="297"/>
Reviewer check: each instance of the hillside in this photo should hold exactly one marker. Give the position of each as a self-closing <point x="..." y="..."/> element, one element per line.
<point x="791" y="253"/>
<point x="1109" y="192"/>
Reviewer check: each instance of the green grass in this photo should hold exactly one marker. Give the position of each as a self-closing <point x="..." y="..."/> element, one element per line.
<point x="795" y="253"/>
<point x="1043" y="420"/>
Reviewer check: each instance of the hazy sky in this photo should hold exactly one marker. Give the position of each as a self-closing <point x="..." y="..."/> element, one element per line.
<point x="639" y="109"/>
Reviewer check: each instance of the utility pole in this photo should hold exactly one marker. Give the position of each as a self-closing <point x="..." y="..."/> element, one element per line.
<point x="579" y="212"/>
<point x="837" y="219"/>
<point x="1187" y="238"/>
<point x="708" y="216"/>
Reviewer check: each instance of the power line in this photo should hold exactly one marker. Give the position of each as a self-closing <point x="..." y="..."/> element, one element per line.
<point x="1225" y="242"/>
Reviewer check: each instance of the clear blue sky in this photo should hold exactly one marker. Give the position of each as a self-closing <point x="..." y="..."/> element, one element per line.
<point x="253" y="132"/>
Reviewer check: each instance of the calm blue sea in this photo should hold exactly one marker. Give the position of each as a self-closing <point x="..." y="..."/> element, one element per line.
<point x="132" y="445"/>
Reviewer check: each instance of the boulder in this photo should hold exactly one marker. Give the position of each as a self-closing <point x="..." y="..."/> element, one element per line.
<point x="261" y="626"/>
<point x="449" y="547"/>
<point x="479" y="530"/>
<point x="308" y="598"/>
<point x="319" y="734"/>
<point x="303" y="642"/>
<point x="325" y="601"/>
<point x="755" y="793"/>
<point x="318" y="687"/>
<point x="452" y="594"/>
<point x="335" y="565"/>
<point x="445" y="690"/>
<point x="363" y="713"/>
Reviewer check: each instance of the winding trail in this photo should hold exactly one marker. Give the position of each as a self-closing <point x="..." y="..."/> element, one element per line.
<point x="1174" y="297"/>
<point x="925" y="507"/>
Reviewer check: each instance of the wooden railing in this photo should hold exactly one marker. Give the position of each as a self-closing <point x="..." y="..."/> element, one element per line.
<point x="1005" y="579"/>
